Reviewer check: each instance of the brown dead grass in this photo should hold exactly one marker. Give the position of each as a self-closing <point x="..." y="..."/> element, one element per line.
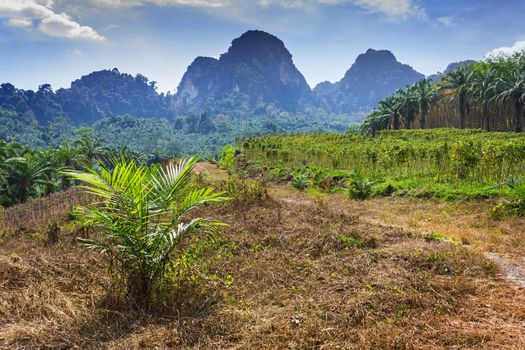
<point x="283" y="277"/>
<point x="39" y="212"/>
<point x="468" y="222"/>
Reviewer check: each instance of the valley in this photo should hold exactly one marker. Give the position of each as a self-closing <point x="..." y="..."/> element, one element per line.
<point x="295" y="267"/>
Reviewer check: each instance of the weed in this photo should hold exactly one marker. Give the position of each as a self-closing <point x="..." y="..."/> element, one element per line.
<point x="350" y="242"/>
<point x="53" y="231"/>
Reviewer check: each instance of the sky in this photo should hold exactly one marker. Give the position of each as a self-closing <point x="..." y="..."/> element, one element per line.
<point x="58" y="41"/>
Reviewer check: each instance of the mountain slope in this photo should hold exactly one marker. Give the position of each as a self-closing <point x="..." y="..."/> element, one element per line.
<point x="92" y="97"/>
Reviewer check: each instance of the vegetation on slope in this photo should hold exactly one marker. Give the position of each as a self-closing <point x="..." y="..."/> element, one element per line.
<point x="441" y="163"/>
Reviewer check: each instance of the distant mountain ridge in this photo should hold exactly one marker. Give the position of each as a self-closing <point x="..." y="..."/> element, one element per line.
<point x="92" y="97"/>
<point x="256" y="75"/>
<point x="450" y="68"/>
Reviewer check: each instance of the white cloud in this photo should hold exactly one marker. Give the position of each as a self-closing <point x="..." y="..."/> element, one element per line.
<point x="20" y="22"/>
<point x="23" y="12"/>
<point x="507" y="50"/>
<point x="391" y="8"/>
<point x="134" y="3"/>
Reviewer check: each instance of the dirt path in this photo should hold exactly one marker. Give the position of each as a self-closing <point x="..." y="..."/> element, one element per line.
<point x="212" y="170"/>
<point x="514" y="267"/>
<point x="467" y="222"/>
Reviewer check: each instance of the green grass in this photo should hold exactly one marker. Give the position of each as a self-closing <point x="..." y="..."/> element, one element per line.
<point x="445" y="164"/>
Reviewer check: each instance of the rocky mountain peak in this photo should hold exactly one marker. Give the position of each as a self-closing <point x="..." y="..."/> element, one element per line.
<point x="256" y="43"/>
<point x="256" y="68"/>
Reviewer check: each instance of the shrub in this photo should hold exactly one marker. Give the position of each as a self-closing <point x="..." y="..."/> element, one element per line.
<point x="358" y="186"/>
<point x="244" y="191"/>
<point x="141" y="219"/>
<point x="53" y="231"/>
<point x="300" y="182"/>
<point x="384" y="189"/>
<point x="228" y="158"/>
<point x="514" y="205"/>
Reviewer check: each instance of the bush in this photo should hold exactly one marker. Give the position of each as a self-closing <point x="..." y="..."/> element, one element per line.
<point x="228" y="158"/>
<point x="358" y="186"/>
<point x="514" y="205"/>
<point x="243" y="191"/>
<point x="300" y="182"/>
<point x="384" y="189"/>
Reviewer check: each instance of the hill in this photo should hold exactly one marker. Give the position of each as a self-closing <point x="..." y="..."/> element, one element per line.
<point x="257" y="73"/>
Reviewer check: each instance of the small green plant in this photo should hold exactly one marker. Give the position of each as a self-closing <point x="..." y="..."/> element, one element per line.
<point x="227" y="160"/>
<point x="229" y="280"/>
<point x="359" y="187"/>
<point x="300" y="182"/>
<point x="433" y="236"/>
<point x="244" y="190"/>
<point x="141" y="216"/>
<point x="350" y="242"/>
<point x="514" y="204"/>
<point x="53" y="232"/>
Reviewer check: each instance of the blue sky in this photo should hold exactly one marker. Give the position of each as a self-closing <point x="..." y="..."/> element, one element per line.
<point x="57" y="41"/>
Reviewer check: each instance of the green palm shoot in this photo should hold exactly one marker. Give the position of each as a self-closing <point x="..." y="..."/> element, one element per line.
<point x="142" y="215"/>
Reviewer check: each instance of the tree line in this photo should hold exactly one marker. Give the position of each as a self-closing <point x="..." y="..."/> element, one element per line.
<point x="28" y="173"/>
<point x="489" y="94"/>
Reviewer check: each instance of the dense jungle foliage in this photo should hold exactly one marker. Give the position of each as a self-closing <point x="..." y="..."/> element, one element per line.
<point x="160" y="137"/>
<point x="28" y="173"/>
<point x="489" y="95"/>
<point x="127" y="111"/>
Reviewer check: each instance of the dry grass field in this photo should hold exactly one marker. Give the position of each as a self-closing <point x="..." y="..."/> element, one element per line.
<point x="291" y="271"/>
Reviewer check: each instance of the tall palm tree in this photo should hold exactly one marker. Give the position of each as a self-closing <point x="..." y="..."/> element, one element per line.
<point x="374" y="122"/>
<point x="510" y="87"/>
<point x="389" y="108"/>
<point x="90" y="147"/>
<point x="425" y="94"/>
<point x="21" y="178"/>
<point x="407" y="105"/>
<point x="458" y="82"/>
<point x="481" y="88"/>
<point x="385" y="115"/>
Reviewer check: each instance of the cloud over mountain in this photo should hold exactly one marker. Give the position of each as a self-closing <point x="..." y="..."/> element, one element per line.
<point x="391" y="8"/>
